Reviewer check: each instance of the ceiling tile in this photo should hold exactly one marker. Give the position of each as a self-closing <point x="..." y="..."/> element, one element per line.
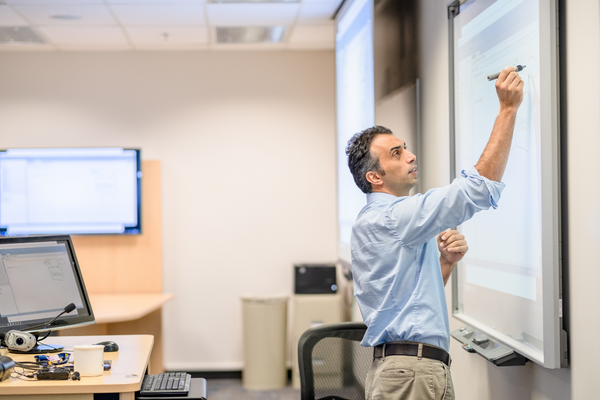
<point x="98" y="47"/>
<point x="167" y="35"/>
<point x="90" y="14"/>
<point x="172" y="47"/>
<point x="321" y="35"/>
<point x="155" y="14"/>
<point x="10" y="18"/>
<point x="84" y="35"/>
<point x="251" y="14"/>
<point x="160" y="14"/>
<point x="317" y="13"/>
<point x="165" y="2"/>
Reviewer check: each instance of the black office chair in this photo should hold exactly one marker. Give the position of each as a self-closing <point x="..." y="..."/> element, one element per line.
<point x="332" y="363"/>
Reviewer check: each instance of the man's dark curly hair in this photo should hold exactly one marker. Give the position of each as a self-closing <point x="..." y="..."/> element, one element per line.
<point x="360" y="159"/>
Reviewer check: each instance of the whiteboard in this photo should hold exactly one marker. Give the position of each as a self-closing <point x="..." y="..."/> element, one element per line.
<point x="508" y="284"/>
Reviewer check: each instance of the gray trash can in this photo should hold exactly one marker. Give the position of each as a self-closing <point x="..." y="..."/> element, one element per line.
<point x="264" y="323"/>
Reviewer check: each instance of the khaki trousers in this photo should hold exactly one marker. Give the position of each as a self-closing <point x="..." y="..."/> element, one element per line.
<point x="408" y="378"/>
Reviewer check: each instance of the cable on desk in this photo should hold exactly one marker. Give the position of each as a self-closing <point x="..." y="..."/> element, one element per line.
<point x="24" y="367"/>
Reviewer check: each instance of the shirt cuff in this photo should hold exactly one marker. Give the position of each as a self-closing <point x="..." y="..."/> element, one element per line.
<point x="494" y="188"/>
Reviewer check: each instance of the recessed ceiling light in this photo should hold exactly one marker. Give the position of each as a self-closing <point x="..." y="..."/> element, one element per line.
<point x="250" y="34"/>
<point x="66" y="17"/>
<point x="19" y="35"/>
<point x="254" y="1"/>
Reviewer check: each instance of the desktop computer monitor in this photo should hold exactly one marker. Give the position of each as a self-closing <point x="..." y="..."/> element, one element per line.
<point x="39" y="277"/>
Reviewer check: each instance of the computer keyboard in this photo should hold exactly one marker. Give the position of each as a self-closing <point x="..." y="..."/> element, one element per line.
<point x="166" y="384"/>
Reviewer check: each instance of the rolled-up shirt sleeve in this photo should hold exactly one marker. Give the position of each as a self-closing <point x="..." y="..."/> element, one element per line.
<point x="414" y="220"/>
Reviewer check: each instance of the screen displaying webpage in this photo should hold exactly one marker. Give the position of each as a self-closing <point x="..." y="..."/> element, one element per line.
<point x="500" y="278"/>
<point x="355" y="106"/>
<point x="68" y="190"/>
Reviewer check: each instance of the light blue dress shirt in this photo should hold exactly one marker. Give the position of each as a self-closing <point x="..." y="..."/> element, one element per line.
<point x="395" y="262"/>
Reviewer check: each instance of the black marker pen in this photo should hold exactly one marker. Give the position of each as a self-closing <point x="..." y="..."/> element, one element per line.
<point x="495" y="76"/>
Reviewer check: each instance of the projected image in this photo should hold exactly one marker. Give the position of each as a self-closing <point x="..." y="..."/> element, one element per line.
<point x="504" y="244"/>
<point x="355" y="106"/>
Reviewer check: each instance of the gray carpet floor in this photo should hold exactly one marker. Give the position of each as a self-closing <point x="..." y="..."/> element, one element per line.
<point x="232" y="389"/>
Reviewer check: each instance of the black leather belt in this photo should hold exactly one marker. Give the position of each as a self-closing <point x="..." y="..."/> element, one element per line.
<point x="412" y="349"/>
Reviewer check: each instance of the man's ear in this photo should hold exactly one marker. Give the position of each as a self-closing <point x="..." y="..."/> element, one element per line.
<point x="374" y="178"/>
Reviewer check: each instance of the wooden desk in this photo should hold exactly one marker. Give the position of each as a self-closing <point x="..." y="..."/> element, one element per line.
<point x="112" y="308"/>
<point x="125" y="377"/>
<point x="128" y="314"/>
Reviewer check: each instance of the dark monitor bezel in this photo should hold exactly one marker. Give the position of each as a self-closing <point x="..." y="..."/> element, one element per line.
<point x="130" y="230"/>
<point x="66" y="321"/>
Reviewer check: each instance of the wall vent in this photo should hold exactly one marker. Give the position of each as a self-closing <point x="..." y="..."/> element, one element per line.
<point x="251" y="1"/>
<point x="250" y="34"/>
<point x="19" y="35"/>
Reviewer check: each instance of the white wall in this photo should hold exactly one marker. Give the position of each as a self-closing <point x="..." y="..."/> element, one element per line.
<point x="247" y="144"/>
<point x="475" y="378"/>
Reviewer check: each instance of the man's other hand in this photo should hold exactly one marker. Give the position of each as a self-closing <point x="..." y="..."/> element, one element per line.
<point x="509" y="88"/>
<point x="452" y="245"/>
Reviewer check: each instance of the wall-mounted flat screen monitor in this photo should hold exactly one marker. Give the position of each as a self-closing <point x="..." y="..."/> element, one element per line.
<point x="355" y="99"/>
<point x="79" y="191"/>
<point x="39" y="277"/>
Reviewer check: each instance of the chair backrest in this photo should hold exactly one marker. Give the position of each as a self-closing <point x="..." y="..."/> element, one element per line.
<point x="332" y="363"/>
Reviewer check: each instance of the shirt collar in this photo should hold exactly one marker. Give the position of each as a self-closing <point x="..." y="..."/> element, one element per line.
<point x="378" y="196"/>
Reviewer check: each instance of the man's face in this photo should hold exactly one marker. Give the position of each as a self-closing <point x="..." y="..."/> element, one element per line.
<point x="397" y="163"/>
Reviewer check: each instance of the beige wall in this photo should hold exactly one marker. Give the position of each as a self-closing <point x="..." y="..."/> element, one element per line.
<point x="246" y="142"/>
<point x="475" y="378"/>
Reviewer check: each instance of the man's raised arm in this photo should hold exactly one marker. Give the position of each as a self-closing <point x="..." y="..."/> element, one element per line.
<point x="492" y="162"/>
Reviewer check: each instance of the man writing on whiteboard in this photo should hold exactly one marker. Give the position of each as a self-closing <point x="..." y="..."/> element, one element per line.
<point x="398" y="276"/>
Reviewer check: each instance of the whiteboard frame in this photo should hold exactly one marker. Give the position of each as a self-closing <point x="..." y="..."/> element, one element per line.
<point x="554" y="354"/>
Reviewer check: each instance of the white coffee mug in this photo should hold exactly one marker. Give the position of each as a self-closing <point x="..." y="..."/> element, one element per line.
<point x="89" y="359"/>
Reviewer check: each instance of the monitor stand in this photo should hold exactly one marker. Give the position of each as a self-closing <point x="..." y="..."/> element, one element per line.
<point x="41" y="349"/>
